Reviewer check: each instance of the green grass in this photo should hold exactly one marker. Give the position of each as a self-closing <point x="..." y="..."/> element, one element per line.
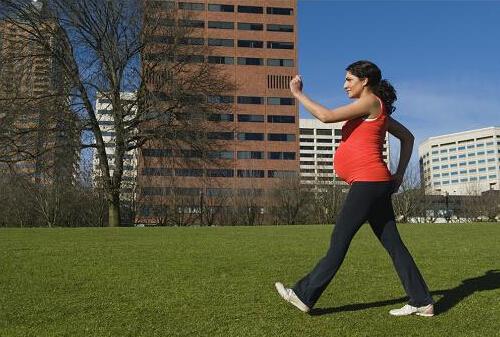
<point x="219" y="282"/>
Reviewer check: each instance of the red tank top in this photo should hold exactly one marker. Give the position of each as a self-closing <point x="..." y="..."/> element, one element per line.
<point x="359" y="156"/>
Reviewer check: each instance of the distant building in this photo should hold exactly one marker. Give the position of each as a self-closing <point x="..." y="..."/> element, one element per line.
<point x="318" y="143"/>
<point x="462" y="163"/>
<point x="43" y="139"/>
<point x="104" y="114"/>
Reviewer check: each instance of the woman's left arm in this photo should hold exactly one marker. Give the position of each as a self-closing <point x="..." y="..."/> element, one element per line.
<point x="360" y="107"/>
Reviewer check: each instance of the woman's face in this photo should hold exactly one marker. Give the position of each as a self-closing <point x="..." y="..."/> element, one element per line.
<point x="353" y="85"/>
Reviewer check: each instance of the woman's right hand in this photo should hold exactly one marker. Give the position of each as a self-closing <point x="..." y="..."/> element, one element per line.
<point x="296" y="85"/>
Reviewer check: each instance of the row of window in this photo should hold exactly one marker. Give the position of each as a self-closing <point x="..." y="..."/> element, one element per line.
<point x="218" y="173"/>
<point x="246" y="118"/>
<point x="199" y="6"/>
<point x="199" y="41"/>
<point x="251" y="100"/>
<point x="465" y="155"/>
<point x="462" y="147"/>
<point x="166" y="153"/>
<point x="454" y="173"/>
<point x="270" y="27"/>
<point x="321" y="132"/>
<point x="463" y="180"/>
<point x="319" y="140"/>
<point x="257" y="100"/>
<point x="463" y="163"/>
<point x="248" y="61"/>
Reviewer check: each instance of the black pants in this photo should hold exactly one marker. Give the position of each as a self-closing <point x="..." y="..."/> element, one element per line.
<point x="365" y="201"/>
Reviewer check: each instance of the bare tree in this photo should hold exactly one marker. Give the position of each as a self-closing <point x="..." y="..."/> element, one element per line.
<point x="110" y="47"/>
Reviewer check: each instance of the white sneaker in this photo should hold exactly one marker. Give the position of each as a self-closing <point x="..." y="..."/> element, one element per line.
<point x="289" y="296"/>
<point x="426" y="311"/>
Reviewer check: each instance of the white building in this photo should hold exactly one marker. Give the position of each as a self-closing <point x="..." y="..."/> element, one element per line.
<point x="462" y="163"/>
<point x="318" y="143"/>
<point x="104" y="114"/>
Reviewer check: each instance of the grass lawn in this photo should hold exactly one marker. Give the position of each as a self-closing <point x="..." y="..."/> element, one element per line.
<point x="220" y="282"/>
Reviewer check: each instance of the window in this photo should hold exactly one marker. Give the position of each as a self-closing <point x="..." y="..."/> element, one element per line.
<point x="221" y="59"/>
<point x="192" y="23"/>
<point x="250" y="44"/>
<point x="189" y="172"/>
<point x="463" y="180"/>
<point x="281" y="155"/>
<point x="307" y="140"/>
<point x="220" y="99"/>
<point x="192" y="41"/>
<point x="306" y="147"/>
<point x="220" y="8"/>
<point x="220" y="155"/>
<point x="250" y="136"/>
<point x="226" y="173"/>
<point x="250" y="61"/>
<point x="470" y="146"/>
<point x="281" y="137"/>
<point x="463" y="171"/>
<point x="157" y="153"/>
<point x="279" y="28"/>
<point x="461" y="155"/>
<point x="435" y="152"/>
<point x="324" y="132"/>
<point x="251" y="118"/>
<point x="453" y="165"/>
<point x="280" y="174"/>
<point x="472" y="171"/>
<point x="280" y="119"/>
<point x="304" y="131"/>
<point x="279" y="45"/>
<point x="444" y="166"/>
<point x="191" y="58"/>
<point x="480" y="145"/>
<point x="480" y="153"/>
<point x="221" y="42"/>
<point x="250" y="100"/>
<point x="280" y="62"/>
<point x="220" y="135"/>
<point x="324" y="148"/>
<point x="279" y="11"/>
<point x="250" y="155"/>
<point x="472" y="154"/>
<point x="250" y="26"/>
<point x="443" y="151"/>
<point x="453" y="157"/>
<point x="461" y="148"/>
<point x="250" y="9"/>
<point x="218" y="192"/>
<point x="324" y="140"/>
<point x="472" y="162"/>
<point x="221" y="117"/>
<point x="220" y="24"/>
<point x="192" y="6"/>
<point x="280" y="101"/>
<point x="251" y="173"/>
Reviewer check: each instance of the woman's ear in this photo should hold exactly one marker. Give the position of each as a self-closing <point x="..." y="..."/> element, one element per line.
<point x="365" y="82"/>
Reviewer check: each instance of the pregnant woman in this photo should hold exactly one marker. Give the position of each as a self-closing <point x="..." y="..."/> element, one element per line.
<point x="359" y="162"/>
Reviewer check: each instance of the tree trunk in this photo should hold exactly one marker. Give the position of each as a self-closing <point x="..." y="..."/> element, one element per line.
<point x="114" y="212"/>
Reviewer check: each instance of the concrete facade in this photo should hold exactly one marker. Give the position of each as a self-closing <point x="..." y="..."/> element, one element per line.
<point x="462" y="163"/>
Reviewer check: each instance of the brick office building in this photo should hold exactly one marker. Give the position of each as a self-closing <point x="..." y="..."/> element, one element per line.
<point x="255" y="44"/>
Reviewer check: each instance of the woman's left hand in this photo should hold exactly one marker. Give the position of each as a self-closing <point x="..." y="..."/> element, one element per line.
<point x="398" y="180"/>
<point x="296" y="85"/>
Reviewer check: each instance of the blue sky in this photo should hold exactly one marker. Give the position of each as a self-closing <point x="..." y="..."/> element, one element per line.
<point x="443" y="57"/>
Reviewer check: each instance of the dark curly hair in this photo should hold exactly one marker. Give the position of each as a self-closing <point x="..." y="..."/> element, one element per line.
<point x="380" y="87"/>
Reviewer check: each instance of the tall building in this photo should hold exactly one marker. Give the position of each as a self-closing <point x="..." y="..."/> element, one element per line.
<point x="39" y="128"/>
<point x="318" y="143"/>
<point x="255" y="43"/>
<point x="462" y="163"/>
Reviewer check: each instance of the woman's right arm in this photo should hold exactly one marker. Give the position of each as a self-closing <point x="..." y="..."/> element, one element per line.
<point x="407" y="139"/>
